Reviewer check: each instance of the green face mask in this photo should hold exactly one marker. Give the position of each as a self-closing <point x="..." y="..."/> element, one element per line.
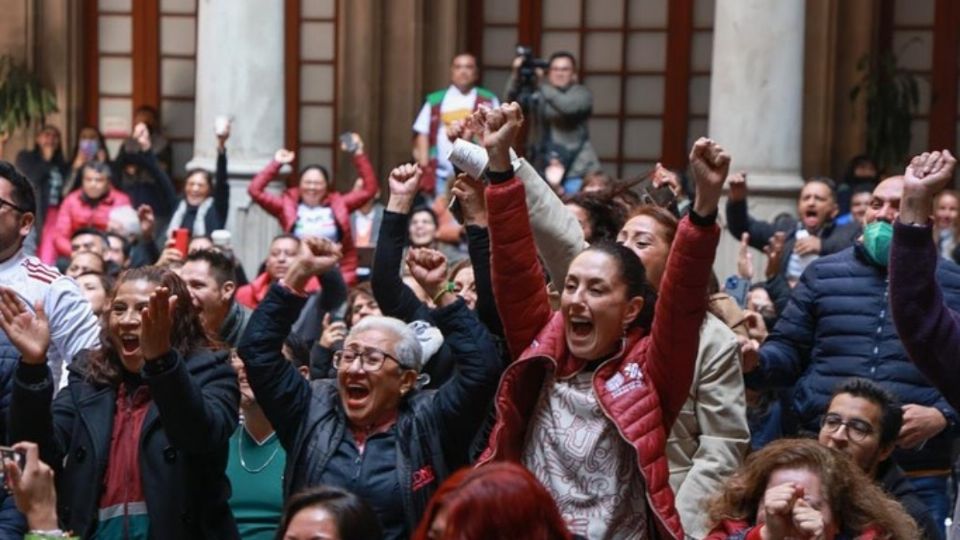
<point x="876" y="240"/>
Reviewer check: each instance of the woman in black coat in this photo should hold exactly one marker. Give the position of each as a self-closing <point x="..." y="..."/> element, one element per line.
<point x="139" y="437"/>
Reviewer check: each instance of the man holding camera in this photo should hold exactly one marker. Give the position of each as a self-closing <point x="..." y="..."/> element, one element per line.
<point x="443" y="108"/>
<point x="560" y="108"/>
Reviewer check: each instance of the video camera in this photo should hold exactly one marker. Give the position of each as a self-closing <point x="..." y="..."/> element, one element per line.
<point x="526" y="83"/>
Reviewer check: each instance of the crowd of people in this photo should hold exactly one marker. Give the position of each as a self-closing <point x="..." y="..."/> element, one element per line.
<point x="509" y="347"/>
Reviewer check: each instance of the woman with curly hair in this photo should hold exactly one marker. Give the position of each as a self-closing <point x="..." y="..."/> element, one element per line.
<point x="797" y="488"/>
<point x="138" y="439"/>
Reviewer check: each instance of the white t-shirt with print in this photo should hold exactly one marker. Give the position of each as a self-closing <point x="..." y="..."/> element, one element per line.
<point x="455" y="106"/>
<point x="316" y="221"/>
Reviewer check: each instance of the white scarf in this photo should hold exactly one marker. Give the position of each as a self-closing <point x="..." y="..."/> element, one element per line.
<point x="199" y="223"/>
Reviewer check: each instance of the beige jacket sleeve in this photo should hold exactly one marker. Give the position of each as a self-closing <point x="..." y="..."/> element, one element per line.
<point x="711" y="435"/>
<point x="556" y="231"/>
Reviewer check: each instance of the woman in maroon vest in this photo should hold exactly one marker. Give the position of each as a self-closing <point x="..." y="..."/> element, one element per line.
<point x="594" y="388"/>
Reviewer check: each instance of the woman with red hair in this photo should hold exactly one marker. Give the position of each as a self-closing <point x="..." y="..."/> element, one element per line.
<point x="500" y="500"/>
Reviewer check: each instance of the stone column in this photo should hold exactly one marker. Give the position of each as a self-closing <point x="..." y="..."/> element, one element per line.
<point x="756" y="104"/>
<point x="240" y="67"/>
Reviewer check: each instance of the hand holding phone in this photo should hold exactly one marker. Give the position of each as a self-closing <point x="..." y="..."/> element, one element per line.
<point x="181" y="240"/>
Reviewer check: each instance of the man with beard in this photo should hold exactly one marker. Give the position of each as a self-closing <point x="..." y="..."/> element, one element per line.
<point x="211" y="277"/>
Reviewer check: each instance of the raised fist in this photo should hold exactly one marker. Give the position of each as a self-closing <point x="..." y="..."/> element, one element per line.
<point x="284" y="156"/>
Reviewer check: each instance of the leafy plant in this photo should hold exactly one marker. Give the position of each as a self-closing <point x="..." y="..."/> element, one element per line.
<point x="892" y="97"/>
<point x="23" y="100"/>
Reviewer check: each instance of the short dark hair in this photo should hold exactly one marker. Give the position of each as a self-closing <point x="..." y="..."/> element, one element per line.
<point x="891" y="413"/>
<point x="355" y="520"/>
<point x="124" y="242"/>
<point x="825" y="180"/>
<point x="562" y="54"/>
<point x="95" y="232"/>
<point x="98" y="167"/>
<point x="23" y="194"/>
<point x="222" y="267"/>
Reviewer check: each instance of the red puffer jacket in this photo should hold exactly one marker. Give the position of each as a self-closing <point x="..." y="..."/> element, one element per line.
<point x="284" y="206"/>
<point x="642" y="390"/>
<point x="76" y="213"/>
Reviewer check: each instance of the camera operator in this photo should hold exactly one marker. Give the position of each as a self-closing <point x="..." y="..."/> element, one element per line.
<point x="559" y="108"/>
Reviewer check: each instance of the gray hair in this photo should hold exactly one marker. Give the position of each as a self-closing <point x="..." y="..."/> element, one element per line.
<point x="124" y="221"/>
<point x="409" y="352"/>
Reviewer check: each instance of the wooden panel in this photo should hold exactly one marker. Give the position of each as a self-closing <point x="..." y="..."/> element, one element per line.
<point x="943" y="107"/>
<point x="677" y="85"/>
<point x="91" y="63"/>
<point x="146" y="53"/>
<point x="291" y="74"/>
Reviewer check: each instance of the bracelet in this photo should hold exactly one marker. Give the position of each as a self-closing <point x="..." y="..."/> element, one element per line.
<point x="48" y="535"/>
<point x="446" y="288"/>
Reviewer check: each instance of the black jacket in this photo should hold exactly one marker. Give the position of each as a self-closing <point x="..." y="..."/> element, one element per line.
<point x="434" y="428"/>
<point x="183" y="444"/>
<point x="897" y="485"/>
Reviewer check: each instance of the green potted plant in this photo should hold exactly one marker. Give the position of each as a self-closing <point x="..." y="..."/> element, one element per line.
<point x="23" y="99"/>
<point x="892" y="97"/>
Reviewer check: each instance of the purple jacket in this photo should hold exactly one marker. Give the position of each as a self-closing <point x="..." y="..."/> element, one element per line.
<point x="928" y="328"/>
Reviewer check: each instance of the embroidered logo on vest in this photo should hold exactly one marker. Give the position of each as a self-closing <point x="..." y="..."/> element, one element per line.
<point x="630" y="378"/>
<point x="423" y="477"/>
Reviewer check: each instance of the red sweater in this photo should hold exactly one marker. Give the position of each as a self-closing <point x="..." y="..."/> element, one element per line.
<point x="284" y="207"/>
<point x="76" y="213"/>
<point x="642" y="391"/>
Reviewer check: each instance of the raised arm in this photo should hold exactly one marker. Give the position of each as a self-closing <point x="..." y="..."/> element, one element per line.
<point x="392" y="294"/>
<point x="149" y="161"/>
<point x="558" y="236"/>
<point x="469" y="192"/>
<point x="682" y="298"/>
<point x="280" y="389"/>
<point x="356" y="199"/>
<point x="197" y="419"/>
<point x="739" y="220"/>
<point x="518" y="285"/>
<point x="221" y="191"/>
<point x="258" y="186"/>
<point x="929" y="330"/>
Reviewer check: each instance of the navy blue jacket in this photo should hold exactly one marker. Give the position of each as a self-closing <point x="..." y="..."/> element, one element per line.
<point x="434" y="428"/>
<point x="837" y="325"/>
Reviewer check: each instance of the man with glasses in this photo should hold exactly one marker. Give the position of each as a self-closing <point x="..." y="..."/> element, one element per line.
<point x="559" y="111"/>
<point x="73" y="326"/>
<point x="863" y="421"/>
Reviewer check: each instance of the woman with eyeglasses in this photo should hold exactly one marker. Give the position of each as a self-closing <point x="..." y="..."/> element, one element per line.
<point x="372" y="430"/>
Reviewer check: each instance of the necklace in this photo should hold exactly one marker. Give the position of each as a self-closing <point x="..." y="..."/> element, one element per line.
<point x="243" y="462"/>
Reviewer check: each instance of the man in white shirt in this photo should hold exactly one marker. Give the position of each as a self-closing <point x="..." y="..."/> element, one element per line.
<point x="441" y="109"/>
<point x="73" y="327"/>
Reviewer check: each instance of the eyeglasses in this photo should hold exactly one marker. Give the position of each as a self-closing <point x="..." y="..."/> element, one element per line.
<point x="4" y="202"/>
<point x="370" y="359"/>
<point x="857" y="430"/>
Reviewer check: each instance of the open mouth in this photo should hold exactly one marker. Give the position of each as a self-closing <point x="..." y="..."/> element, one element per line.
<point x="580" y="327"/>
<point x="129" y="344"/>
<point x="356" y="394"/>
